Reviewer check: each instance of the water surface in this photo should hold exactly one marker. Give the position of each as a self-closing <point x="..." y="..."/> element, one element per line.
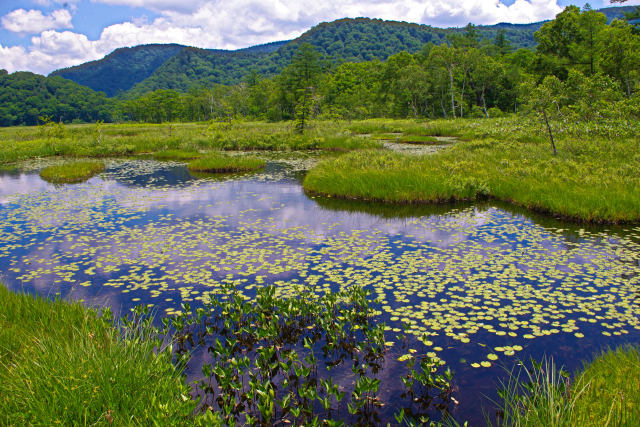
<point x="477" y="286"/>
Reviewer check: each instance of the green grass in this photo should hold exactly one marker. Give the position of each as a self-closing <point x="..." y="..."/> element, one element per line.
<point x="18" y="143"/>
<point x="72" y="172"/>
<point x="218" y="163"/>
<point x="605" y="393"/>
<point x="176" y="155"/>
<point x="591" y="179"/>
<point x="61" y="364"/>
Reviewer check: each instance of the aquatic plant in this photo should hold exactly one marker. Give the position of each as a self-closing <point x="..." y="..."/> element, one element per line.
<point x="294" y="360"/>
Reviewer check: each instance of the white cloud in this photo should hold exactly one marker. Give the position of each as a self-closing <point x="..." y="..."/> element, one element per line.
<point x="34" y="21"/>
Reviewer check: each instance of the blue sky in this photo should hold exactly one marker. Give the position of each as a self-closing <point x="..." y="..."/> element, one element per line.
<point x="43" y="35"/>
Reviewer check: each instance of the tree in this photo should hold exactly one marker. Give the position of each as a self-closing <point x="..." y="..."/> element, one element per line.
<point x="501" y="42"/>
<point x="448" y="58"/>
<point x="301" y="78"/>
<point x="619" y="48"/>
<point x="586" y="49"/>
<point x="556" y="37"/>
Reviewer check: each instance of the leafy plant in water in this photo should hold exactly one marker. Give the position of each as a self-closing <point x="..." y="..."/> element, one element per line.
<point x="272" y="360"/>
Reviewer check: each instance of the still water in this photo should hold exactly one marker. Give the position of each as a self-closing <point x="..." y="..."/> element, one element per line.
<point x="477" y="286"/>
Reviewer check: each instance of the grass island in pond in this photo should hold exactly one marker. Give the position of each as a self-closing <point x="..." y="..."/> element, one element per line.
<point x="220" y="163"/>
<point x="176" y="155"/>
<point x="72" y="172"/>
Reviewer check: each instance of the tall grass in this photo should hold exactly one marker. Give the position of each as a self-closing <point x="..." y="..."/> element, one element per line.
<point x="61" y="364"/>
<point x="593" y="180"/>
<point x="605" y="393"/>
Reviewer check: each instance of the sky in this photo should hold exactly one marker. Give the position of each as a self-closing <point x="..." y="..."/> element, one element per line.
<point x="45" y="35"/>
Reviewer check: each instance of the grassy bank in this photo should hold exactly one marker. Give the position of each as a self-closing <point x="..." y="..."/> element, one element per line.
<point x="605" y="392"/>
<point x="19" y="143"/>
<point x="72" y="172"/>
<point x="218" y="163"/>
<point x="590" y="180"/>
<point x="62" y="364"/>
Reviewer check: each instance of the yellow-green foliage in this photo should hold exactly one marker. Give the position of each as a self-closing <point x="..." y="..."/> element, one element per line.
<point x="219" y="163"/>
<point x="61" y="364"/>
<point x="591" y="180"/>
<point x="71" y="172"/>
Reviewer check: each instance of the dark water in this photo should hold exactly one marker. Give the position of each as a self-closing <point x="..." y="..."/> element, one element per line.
<point x="488" y="284"/>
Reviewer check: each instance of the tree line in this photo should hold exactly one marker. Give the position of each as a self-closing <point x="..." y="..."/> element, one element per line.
<point x="582" y="67"/>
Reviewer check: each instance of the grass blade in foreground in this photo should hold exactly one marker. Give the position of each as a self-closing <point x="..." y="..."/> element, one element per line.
<point x="605" y="393"/>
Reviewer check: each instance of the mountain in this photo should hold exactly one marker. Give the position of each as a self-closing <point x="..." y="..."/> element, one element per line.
<point x="344" y="40"/>
<point x="121" y="69"/>
<point x="146" y="68"/>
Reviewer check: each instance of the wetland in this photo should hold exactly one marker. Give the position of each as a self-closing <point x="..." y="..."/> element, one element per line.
<point x="475" y="286"/>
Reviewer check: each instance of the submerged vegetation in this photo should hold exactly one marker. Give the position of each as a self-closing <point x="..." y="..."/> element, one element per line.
<point x="62" y="363"/>
<point x="218" y="163"/>
<point x="72" y="172"/>
<point x="605" y="392"/>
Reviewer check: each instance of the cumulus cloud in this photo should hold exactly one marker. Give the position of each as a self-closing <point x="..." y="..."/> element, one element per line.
<point x="34" y="21"/>
<point x="232" y="24"/>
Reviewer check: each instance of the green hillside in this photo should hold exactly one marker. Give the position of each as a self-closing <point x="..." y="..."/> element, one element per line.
<point x="345" y="40"/>
<point x="121" y="69"/>
<point x="24" y="97"/>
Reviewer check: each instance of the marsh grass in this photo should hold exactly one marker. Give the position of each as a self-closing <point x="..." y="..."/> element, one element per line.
<point x="591" y="180"/>
<point x="72" y="172"/>
<point x="176" y="155"/>
<point x="62" y="364"/>
<point x="605" y="393"/>
<point x="219" y="163"/>
<point x="115" y="140"/>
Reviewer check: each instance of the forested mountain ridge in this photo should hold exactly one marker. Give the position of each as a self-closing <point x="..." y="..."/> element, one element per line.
<point x="344" y="40"/>
<point x="121" y="69"/>
<point x="147" y="68"/>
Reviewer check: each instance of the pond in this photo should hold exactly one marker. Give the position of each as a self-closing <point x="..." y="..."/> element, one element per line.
<point x="478" y="286"/>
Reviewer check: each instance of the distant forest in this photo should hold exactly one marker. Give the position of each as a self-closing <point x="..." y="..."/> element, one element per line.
<point x="583" y="65"/>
